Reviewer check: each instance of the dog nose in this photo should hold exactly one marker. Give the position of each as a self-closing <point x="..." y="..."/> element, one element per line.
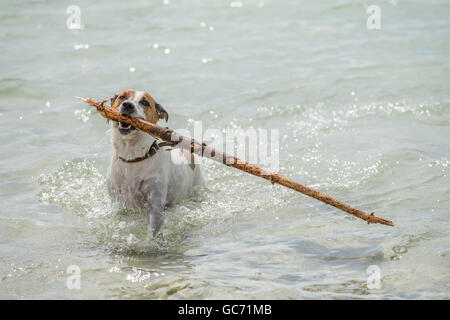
<point x="127" y="108"/>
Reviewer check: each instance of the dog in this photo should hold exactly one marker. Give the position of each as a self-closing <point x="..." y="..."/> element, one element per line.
<point x="143" y="173"/>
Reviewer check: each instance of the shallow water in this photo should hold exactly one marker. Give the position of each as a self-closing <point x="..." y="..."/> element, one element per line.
<point x="363" y="115"/>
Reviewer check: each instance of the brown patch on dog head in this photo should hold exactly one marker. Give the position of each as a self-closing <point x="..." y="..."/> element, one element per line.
<point x="127" y="94"/>
<point x="153" y="110"/>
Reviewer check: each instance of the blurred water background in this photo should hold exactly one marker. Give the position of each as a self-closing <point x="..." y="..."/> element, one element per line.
<point x="363" y="115"/>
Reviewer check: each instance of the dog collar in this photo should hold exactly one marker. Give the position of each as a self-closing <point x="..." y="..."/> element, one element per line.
<point x="151" y="152"/>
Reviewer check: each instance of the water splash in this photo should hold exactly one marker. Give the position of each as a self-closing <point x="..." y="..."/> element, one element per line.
<point x="79" y="186"/>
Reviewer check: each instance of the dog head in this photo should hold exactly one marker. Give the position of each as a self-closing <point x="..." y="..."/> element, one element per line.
<point x="136" y="104"/>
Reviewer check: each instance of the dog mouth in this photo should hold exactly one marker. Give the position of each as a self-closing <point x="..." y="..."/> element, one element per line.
<point x="125" y="128"/>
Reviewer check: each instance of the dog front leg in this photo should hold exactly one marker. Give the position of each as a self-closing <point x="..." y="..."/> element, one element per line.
<point x="156" y="220"/>
<point x="155" y="207"/>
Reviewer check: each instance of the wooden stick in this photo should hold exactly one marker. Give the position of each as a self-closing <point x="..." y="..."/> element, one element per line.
<point x="203" y="150"/>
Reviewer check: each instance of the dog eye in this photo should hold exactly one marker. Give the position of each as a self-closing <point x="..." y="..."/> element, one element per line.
<point x="123" y="98"/>
<point x="145" y="103"/>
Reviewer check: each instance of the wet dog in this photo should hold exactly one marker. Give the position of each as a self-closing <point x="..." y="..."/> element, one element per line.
<point x="143" y="173"/>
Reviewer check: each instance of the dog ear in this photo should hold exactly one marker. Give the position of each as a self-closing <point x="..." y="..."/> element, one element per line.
<point x="162" y="114"/>
<point x="112" y="99"/>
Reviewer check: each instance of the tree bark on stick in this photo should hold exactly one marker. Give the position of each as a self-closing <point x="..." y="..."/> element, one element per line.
<point x="203" y="150"/>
